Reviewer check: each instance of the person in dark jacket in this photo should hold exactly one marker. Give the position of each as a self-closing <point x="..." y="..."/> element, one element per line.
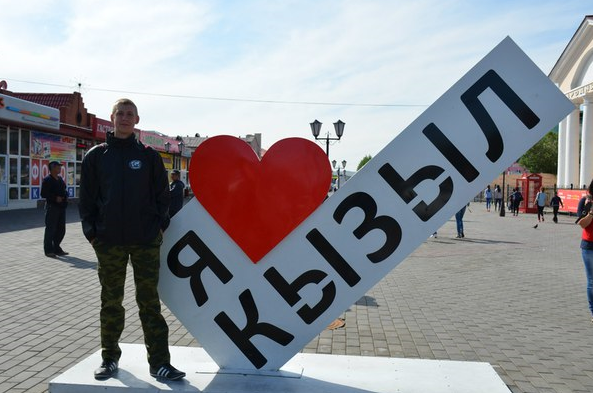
<point x="124" y="203"/>
<point x="556" y="202"/>
<point x="176" y="188"/>
<point x="53" y="189"/>
<point x="516" y="198"/>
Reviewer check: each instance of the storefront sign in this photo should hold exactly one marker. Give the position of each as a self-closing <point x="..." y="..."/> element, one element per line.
<point x="101" y="127"/>
<point x="28" y="113"/>
<point x="253" y="316"/>
<point x="52" y="147"/>
<point x="159" y="142"/>
<point x="167" y="160"/>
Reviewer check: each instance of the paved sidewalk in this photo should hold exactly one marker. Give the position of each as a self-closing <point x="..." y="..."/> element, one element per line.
<point x="507" y="294"/>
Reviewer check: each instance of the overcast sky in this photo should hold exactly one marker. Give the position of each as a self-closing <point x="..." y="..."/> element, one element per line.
<point x="271" y="67"/>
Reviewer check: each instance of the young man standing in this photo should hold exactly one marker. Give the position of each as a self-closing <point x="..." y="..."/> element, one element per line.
<point x="124" y="202"/>
<point x="53" y="189"/>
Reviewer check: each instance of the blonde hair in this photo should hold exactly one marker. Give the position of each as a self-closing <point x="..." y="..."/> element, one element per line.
<point x="123" y="101"/>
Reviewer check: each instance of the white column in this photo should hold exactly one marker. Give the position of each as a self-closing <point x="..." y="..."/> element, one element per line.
<point x="571" y="168"/>
<point x="560" y="180"/>
<point x="586" y="173"/>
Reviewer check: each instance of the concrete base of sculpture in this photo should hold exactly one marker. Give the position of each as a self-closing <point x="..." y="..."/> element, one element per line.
<point x="310" y="373"/>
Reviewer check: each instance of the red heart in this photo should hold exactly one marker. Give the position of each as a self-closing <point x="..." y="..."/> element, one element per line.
<point x="258" y="203"/>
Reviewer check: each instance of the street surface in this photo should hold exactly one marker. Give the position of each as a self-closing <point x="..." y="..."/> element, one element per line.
<point x="507" y="294"/>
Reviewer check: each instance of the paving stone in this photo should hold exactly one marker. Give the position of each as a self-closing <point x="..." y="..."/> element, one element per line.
<point x="507" y="294"/>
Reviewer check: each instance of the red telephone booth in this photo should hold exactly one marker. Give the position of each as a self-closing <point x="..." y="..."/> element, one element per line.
<point x="529" y="185"/>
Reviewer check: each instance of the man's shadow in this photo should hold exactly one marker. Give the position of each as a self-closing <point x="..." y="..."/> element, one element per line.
<point x="77" y="262"/>
<point x="22" y="219"/>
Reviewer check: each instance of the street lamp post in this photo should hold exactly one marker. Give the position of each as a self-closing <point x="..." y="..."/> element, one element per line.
<point x="338" y="127"/>
<point x="334" y="163"/>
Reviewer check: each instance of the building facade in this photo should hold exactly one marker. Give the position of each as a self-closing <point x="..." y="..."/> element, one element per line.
<point x="32" y="134"/>
<point x="573" y="74"/>
<point x="36" y="129"/>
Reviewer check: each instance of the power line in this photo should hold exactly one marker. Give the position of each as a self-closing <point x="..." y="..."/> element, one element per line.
<point x="209" y="98"/>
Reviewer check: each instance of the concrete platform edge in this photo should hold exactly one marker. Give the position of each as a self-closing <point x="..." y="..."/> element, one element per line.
<point x="320" y="373"/>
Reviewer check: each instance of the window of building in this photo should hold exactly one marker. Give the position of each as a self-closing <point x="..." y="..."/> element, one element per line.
<point x="3" y="178"/>
<point x="25" y="146"/>
<point x="13" y="174"/>
<point x="14" y="141"/>
<point x="70" y="174"/>
<point x="24" y="172"/>
<point x="80" y="154"/>
<point x="3" y="139"/>
<point x="78" y="169"/>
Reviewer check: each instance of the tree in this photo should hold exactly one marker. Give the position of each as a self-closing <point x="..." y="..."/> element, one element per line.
<point x="363" y="162"/>
<point x="543" y="156"/>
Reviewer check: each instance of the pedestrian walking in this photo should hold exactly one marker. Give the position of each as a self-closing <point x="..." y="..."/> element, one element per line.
<point x="516" y="199"/>
<point x="53" y="189"/>
<point x="459" y="221"/>
<point x="585" y="220"/>
<point x="556" y="202"/>
<point x="124" y="207"/>
<point x="488" y="196"/>
<point x="540" y="202"/>
<point x="497" y="195"/>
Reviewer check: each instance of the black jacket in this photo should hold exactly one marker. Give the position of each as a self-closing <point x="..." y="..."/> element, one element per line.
<point x="52" y="188"/>
<point x="176" y="188"/>
<point x="124" y="192"/>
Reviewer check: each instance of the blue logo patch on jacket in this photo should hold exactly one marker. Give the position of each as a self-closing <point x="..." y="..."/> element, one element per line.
<point x="135" y="164"/>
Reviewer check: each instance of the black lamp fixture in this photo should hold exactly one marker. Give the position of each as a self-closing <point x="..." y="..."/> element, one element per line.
<point x="316" y="130"/>
<point x="343" y="167"/>
<point x="167" y="146"/>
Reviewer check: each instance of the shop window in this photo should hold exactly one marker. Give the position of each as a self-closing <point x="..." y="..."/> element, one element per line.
<point x="3" y="139"/>
<point x="13" y="193"/>
<point x="24" y="172"/>
<point x="79" y="154"/>
<point x="78" y="168"/>
<point x="70" y="174"/>
<point x="3" y="178"/>
<point x="14" y="142"/>
<point x="25" y="146"/>
<point x="13" y="174"/>
<point x="24" y="192"/>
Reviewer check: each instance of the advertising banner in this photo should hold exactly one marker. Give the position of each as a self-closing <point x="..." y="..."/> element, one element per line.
<point x="570" y="199"/>
<point x="52" y="147"/>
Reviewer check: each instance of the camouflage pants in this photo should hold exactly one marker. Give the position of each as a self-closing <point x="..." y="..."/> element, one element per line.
<point x="145" y="260"/>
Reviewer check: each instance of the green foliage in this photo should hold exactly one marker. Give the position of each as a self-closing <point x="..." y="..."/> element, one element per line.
<point x="363" y="162"/>
<point x="543" y="156"/>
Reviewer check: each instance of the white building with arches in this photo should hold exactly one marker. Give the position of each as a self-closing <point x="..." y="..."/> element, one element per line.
<point x="573" y="74"/>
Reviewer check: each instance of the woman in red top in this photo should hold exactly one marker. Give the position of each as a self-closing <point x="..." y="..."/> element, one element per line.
<point x="585" y="220"/>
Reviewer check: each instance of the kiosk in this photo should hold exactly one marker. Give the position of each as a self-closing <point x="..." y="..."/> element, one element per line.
<point x="529" y="185"/>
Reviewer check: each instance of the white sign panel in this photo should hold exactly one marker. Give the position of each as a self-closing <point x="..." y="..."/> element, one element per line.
<point x="257" y="316"/>
<point x="26" y="112"/>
